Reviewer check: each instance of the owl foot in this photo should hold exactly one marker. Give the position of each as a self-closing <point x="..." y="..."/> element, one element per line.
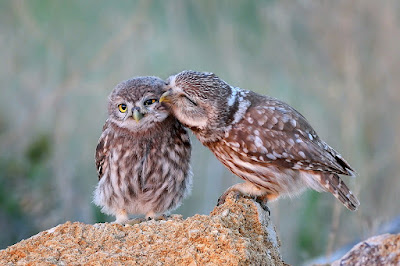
<point x="237" y="194"/>
<point x="246" y="189"/>
<point x="121" y="217"/>
<point x="161" y="217"/>
<point x="262" y="200"/>
<point x="222" y="198"/>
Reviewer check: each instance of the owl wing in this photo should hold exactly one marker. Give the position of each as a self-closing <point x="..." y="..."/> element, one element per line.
<point x="102" y="152"/>
<point x="273" y="132"/>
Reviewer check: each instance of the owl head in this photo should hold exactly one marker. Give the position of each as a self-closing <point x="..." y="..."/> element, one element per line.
<point x="198" y="99"/>
<point x="134" y="104"/>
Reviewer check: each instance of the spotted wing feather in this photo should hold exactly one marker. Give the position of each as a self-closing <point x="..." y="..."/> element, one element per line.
<point x="102" y="151"/>
<point x="273" y="132"/>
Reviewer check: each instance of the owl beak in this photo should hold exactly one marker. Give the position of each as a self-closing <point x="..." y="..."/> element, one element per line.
<point x="137" y="115"/>
<point x="166" y="96"/>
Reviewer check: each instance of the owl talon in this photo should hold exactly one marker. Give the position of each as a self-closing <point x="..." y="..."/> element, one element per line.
<point x="236" y="196"/>
<point x="161" y="217"/>
<point x="263" y="204"/>
<point x="221" y="200"/>
<point x="158" y="218"/>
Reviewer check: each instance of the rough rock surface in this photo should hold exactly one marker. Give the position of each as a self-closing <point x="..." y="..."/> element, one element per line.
<point x="377" y="250"/>
<point x="236" y="233"/>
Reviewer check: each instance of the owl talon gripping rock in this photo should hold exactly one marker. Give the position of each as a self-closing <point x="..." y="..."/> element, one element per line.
<point x="260" y="139"/>
<point x="143" y="154"/>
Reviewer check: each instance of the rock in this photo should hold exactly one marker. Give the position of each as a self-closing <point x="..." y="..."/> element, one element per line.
<point x="235" y="233"/>
<point x="377" y="250"/>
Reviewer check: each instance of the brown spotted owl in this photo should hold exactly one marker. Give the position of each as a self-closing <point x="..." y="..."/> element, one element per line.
<point x="143" y="155"/>
<point x="260" y="139"/>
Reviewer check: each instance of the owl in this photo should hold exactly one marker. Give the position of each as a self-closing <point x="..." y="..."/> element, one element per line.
<point x="260" y="139"/>
<point x="143" y="154"/>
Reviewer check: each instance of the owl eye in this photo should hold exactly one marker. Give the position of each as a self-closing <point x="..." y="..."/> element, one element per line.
<point x="149" y="102"/>
<point x="122" y="108"/>
<point x="189" y="100"/>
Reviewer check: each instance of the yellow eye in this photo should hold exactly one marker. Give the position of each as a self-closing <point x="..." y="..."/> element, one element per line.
<point x="122" y="108"/>
<point x="150" y="101"/>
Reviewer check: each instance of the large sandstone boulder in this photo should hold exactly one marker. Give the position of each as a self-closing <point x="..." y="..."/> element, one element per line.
<point x="377" y="250"/>
<point x="236" y="233"/>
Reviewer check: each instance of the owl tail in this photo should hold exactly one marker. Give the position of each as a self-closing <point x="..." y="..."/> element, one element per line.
<point x="334" y="184"/>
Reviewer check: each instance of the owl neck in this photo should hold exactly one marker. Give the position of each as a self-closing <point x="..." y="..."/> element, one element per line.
<point x="150" y="133"/>
<point x="207" y="135"/>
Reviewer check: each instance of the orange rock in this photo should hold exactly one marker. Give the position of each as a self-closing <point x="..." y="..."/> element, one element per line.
<point x="377" y="250"/>
<point x="236" y="233"/>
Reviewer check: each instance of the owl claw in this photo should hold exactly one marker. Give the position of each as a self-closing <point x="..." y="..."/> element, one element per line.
<point x="263" y="204"/>
<point x="158" y="218"/>
<point x="236" y="196"/>
<point x="162" y="217"/>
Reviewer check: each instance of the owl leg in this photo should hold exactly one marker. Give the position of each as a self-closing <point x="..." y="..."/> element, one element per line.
<point x="121" y="216"/>
<point x="242" y="189"/>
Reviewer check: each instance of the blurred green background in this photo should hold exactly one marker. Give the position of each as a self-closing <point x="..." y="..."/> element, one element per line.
<point x="337" y="62"/>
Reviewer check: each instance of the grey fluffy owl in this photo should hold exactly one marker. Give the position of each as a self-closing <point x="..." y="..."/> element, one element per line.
<point x="260" y="139"/>
<point x="143" y="154"/>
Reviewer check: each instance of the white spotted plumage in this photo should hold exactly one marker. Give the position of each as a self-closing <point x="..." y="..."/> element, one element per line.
<point x="143" y="154"/>
<point x="260" y="139"/>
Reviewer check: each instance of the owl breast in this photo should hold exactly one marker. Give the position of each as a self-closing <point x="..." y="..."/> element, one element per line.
<point x="275" y="180"/>
<point x="145" y="175"/>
